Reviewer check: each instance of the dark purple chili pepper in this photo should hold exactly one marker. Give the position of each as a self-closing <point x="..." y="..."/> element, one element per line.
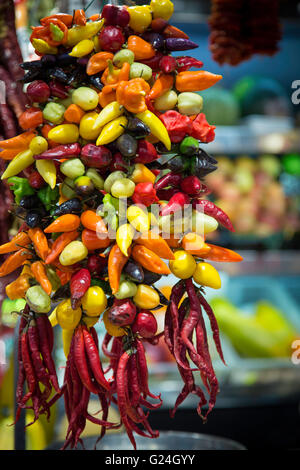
<point x="96" y="156"/>
<point x="155" y="39"/>
<point x="179" y="44"/>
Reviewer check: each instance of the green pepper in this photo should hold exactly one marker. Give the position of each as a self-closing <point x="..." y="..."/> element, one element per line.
<point x="48" y="196"/>
<point x="20" y="187"/>
<point x="110" y="206"/>
<point x="189" y="146"/>
<point x="56" y="33"/>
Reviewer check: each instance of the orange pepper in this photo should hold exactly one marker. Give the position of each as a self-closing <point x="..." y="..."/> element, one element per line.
<point x="106" y="96"/>
<point x="44" y="32"/>
<point x="45" y="131"/>
<point x="18" y="288"/>
<point x="173" y="241"/>
<point x="149" y="260"/>
<point x="194" y="244"/>
<point x="112" y="75"/>
<point x="19" y="241"/>
<point x="92" y="221"/>
<point x="64" y="276"/>
<point x="18" y="143"/>
<point x="39" y="241"/>
<point x="60" y="243"/>
<point x="196" y="81"/>
<point x="131" y="94"/>
<point x="98" y="62"/>
<point x="63" y="17"/>
<point x="93" y="241"/>
<point x="95" y="17"/>
<point x="218" y="253"/>
<point x="64" y="223"/>
<point x="31" y="118"/>
<point x="155" y="243"/>
<point x="79" y="18"/>
<point x="171" y="31"/>
<point x="142" y="49"/>
<point x="162" y="84"/>
<point x="39" y="273"/>
<point x="14" y="261"/>
<point x="116" y="263"/>
<point x="73" y="114"/>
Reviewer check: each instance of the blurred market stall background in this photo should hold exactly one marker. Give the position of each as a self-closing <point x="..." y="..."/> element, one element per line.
<point x="257" y="183"/>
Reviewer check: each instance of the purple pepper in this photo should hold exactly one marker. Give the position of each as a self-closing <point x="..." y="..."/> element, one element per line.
<point x="155" y="39"/>
<point x="179" y="44"/>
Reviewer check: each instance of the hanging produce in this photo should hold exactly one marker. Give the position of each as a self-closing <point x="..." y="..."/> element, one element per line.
<point x="242" y="28"/>
<point x="102" y="224"/>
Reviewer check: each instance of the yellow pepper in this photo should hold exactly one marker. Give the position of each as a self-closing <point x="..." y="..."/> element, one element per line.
<point x="124" y="237"/>
<point x="83" y="48"/>
<point x="109" y="113"/>
<point x="162" y="9"/>
<point x="73" y="253"/>
<point x="67" y="336"/>
<point x="78" y="33"/>
<point x="38" y="145"/>
<point x="94" y="301"/>
<point x="206" y="275"/>
<point x="112" y="329"/>
<point x="183" y="266"/>
<point x="18" y="164"/>
<point x="112" y="131"/>
<point x="138" y="218"/>
<point x="140" y="18"/>
<point x="86" y="126"/>
<point x="67" y="317"/>
<point x="52" y="318"/>
<point x="47" y="170"/>
<point x="142" y="174"/>
<point x="156" y="127"/>
<point x="43" y="47"/>
<point x="64" y="134"/>
<point x="146" y="297"/>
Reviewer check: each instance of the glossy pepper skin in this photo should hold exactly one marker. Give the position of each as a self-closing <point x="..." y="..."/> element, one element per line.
<point x="144" y="193"/>
<point x="79" y="284"/>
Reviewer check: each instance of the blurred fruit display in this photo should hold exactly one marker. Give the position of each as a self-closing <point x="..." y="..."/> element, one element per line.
<point x="255" y="192"/>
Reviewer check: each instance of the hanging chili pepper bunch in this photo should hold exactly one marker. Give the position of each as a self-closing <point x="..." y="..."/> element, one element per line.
<point x="36" y="365"/>
<point x="241" y="28"/>
<point x="102" y="215"/>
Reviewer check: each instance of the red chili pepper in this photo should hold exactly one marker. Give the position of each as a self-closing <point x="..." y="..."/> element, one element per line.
<point x="94" y="360"/>
<point x="166" y="194"/>
<point x="59" y="152"/>
<point x="177" y="125"/>
<point x="186" y="63"/>
<point x="209" y="208"/>
<point x="81" y="362"/>
<point x="45" y="345"/>
<point x="122" y="313"/>
<point x="170" y="179"/>
<point x="79" y="284"/>
<point x="146" y="152"/>
<point x="202" y="130"/>
<point x="154" y="61"/>
<point x="176" y="203"/>
<point x="191" y="185"/>
<point x="168" y="64"/>
<point x="145" y="194"/>
<point x="118" y="162"/>
<point x="35" y="180"/>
